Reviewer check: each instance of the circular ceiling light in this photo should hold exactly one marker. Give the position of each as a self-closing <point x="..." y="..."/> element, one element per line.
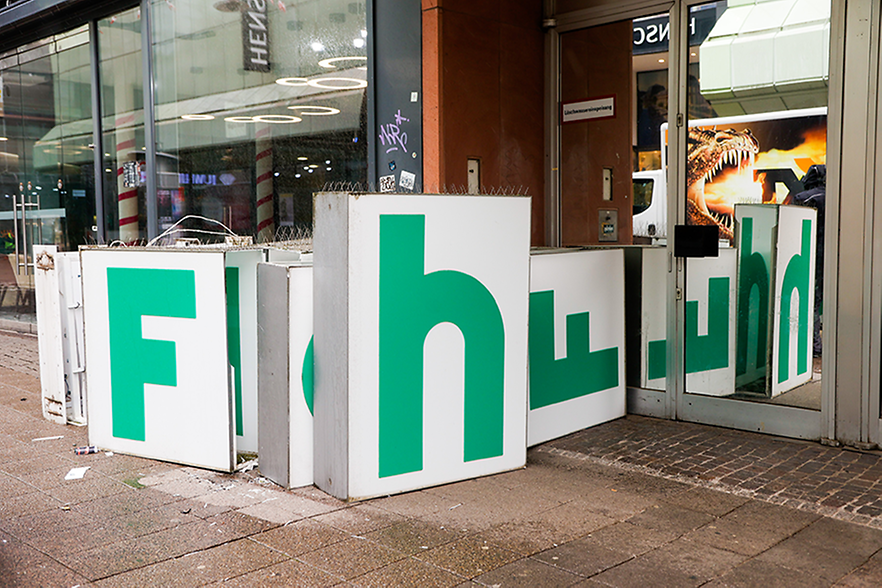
<point x="197" y="117"/>
<point x="331" y="62"/>
<point x="292" y="81"/>
<point x="239" y="119"/>
<point x="279" y="119"/>
<point x="315" y="110"/>
<point x="353" y="83"/>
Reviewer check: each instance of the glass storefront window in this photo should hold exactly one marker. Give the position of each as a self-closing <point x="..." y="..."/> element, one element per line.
<point x="122" y="116"/>
<point x="46" y="158"/>
<point x="258" y="105"/>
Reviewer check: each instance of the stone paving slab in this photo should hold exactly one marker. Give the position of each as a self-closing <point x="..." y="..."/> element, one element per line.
<point x="635" y="502"/>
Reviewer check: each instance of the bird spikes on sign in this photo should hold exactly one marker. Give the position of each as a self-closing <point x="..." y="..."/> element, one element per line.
<point x="447" y="190"/>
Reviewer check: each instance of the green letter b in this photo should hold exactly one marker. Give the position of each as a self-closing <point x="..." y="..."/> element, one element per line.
<point x="412" y="303"/>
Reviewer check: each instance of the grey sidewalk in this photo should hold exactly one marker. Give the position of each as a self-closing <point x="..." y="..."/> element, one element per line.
<point x="636" y="502"/>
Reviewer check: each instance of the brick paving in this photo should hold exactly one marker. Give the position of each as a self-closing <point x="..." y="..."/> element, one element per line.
<point x="632" y="503"/>
<point x="838" y="482"/>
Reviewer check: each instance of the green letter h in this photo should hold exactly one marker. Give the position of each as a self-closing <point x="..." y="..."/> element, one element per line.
<point x="412" y="303"/>
<point x="752" y="271"/>
<point x="135" y="361"/>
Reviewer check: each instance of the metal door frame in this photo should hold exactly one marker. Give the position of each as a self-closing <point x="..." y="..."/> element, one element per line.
<point x="775" y="419"/>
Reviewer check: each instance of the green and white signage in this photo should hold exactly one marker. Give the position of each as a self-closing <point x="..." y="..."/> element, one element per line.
<point x="577" y="341"/>
<point x="794" y="298"/>
<point x="421" y="306"/>
<point x="755" y="240"/>
<point x="156" y="350"/>
<point x="776" y="281"/>
<point x="710" y="322"/>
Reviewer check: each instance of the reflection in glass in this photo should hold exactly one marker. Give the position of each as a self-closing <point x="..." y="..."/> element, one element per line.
<point x="122" y="115"/>
<point x="46" y="159"/>
<point x="248" y="145"/>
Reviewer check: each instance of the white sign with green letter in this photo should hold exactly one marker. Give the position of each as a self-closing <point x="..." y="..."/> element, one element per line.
<point x="156" y="350"/>
<point x="794" y="298"/>
<point x="241" y="280"/>
<point x="577" y="341"/>
<point x="709" y="322"/>
<point x="420" y="340"/>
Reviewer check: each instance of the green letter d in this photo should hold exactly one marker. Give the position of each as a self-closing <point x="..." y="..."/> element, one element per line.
<point x="412" y="303"/>
<point x="135" y="361"/>
<point x="796" y="277"/>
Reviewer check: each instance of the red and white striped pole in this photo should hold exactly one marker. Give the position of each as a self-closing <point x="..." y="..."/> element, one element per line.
<point x="266" y="229"/>
<point x="127" y="197"/>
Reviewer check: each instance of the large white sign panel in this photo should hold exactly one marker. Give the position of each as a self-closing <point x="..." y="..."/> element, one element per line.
<point x="794" y="298"/>
<point x="652" y="319"/>
<point x="156" y="349"/>
<point x="710" y="324"/>
<point x="241" y="278"/>
<point x="59" y="297"/>
<point x="420" y="340"/>
<point x="286" y="373"/>
<point x="50" y="334"/>
<point x="577" y="341"/>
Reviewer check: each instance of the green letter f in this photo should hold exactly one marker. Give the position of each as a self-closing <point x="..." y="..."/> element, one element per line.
<point x="135" y="361"/>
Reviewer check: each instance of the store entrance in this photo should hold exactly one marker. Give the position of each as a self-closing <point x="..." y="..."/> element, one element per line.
<point x="719" y="212"/>
<point x="754" y="175"/>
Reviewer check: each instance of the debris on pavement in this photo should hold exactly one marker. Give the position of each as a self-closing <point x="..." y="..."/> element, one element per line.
<point x="247" y="466"/>
<point x="86" y="450"/>
<point x="76" y="473"/>
<point x="48" y="438"/>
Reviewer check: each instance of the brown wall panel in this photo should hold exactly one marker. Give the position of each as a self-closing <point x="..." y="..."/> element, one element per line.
<point x="596" y="62"/>
<point x="483" y="96"/>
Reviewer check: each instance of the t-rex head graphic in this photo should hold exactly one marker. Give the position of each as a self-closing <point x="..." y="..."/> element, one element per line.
<point x="708" y="151"/>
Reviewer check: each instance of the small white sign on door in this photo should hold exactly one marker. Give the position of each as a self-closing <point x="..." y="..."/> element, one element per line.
<point x="594" y="108"/>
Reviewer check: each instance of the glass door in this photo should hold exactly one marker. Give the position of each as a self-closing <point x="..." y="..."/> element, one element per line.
<point x="613" y="112"/>
<point x="751" y="170"/>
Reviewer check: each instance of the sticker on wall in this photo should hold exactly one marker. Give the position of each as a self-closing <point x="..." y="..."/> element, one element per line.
<point x="593" y="109"/>
<point x="387" y="183"/>
<point x="407" y="180"/>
